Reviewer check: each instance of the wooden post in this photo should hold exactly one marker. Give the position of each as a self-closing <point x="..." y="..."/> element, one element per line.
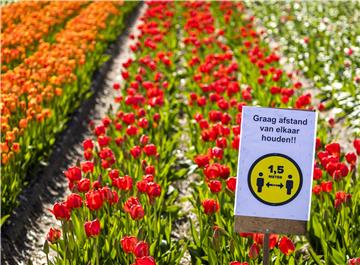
<point x="266" y="258"/>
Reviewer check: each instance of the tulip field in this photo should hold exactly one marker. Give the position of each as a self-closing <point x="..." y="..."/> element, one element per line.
<point x="154" y="174"/>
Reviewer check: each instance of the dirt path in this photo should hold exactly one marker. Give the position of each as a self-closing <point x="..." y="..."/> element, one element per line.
<point x="24" y="234"/>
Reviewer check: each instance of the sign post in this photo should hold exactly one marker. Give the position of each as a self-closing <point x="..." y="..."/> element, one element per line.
<point x="275" y="169"/>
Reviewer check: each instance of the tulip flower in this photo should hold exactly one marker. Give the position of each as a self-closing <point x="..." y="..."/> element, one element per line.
<point x="254" y="251"/>
<point x="286" y="246"/>
<point x="92" y="228"/>
<point x="61" y="211"/>
<point x="128" y="243"/>
<point x="231" y="184"/>
<point x="141" y="249"/>
<point x="215" y="186"/>
<point x="147" y="260"/>
<point x="53" y="235"/>
<point x="83" y="185"/>
<point x="73" y="174"/>
<point x="210" y="206"/>
<point x="94" y="200"/>
<point x="73" y="201"/>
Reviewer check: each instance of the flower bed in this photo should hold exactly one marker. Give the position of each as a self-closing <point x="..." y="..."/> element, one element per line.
<point x="194" y="66"/>
<point x="39" y="94"/>
<point x="320" y="39"/>
<point x="20" y="39"/>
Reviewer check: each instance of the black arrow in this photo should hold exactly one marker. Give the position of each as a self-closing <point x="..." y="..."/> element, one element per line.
<point x="274" y="185"/>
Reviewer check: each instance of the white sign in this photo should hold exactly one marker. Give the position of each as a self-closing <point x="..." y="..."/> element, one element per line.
<point x="276" y="161"/>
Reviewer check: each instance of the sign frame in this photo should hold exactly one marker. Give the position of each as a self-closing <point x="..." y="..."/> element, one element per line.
<point x="266" y="225"/>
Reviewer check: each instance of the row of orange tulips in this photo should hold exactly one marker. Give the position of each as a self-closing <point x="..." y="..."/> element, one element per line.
<point x="15" y="13"/>
<point x="20" y="39"/>
<point x="38" y="95"/>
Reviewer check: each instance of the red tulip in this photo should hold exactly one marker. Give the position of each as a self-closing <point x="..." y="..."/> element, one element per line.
<point x="326" y="186"/>
<point x="202" y="160"/>
<point x="124" y="183"/>
<point x="317" y="189"/>
<point x="106" y="193"/>
<point x="94" y="200"/>
<point x="142" y="185"/>
<point x="53" y="235"/>
<point x="351" y="158"/>
<point x="103" y="140"/>
<point x="135" y="151"/>
<point x="210" y="206"/>
<point x="144" y="139"/>
<point x="116" y="86"/>
<point x="216" y="152"/>
<point x="156" y="117"/>
<point x="354" y="261"/>
<point x="92" y="228"/>
<point x="356" y="144"/>
<point x="73" y="201"/>
<point x="88" y="154"/>
<point x="141" y="249"/>
<point x="131" y="130"/>
<point x="114" y="198"/>
<point x="340" y="198"/>
<point x="73" y="174"/>
<point x="87" y="167"/>
<point x="258" y="238"/>
<point x="150" y="150"/>
<point x="254" y="251"/>
<point x="317" y="173"/>
<point x="286" y="246"/>
<point x="113" y="174"/>
<point x="221" y="142"/>
<point x="238" y="263"/>
<point x="88" y="144"/>
<point x="153" y="189"/>
<point x="224" y="171"/>
<point x="137" y="212"/>
<point x="212" y="171"/>
<point x="83" y="185"/>
<point x="143" y="123"/>
<point x="131" y="201"/>
<point x="106" y="121"/>
<point x="100" y="130"/>
<point x="128" y="243"/>
<point x="231" y="184"/>
<point x="128" y="118"/>
<point x="147" y="260"/>
<point x="273" y="240"/>
<point x="318" y="143"/>
<point x="60" y="211"/>
<point x="215" y="186"/>
<point x="333" y="148"/>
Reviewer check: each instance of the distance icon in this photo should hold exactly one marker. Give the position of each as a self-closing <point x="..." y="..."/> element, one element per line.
<point x="275" y="187"/>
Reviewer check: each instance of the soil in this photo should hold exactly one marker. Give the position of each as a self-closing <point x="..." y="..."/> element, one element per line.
<point x="23" y="234"/>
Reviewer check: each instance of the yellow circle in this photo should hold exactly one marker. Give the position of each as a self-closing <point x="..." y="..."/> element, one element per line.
<point x="275" y="179"/>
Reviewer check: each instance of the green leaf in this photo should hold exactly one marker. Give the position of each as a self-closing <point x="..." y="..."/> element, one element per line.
<point x="173" y="208"/>
<point x="194" y="234"/>
<point x="337" y="256"/>
<point x="314" y="256"/>
<point x="4" y="218"/>
<point x="46" y="247"/>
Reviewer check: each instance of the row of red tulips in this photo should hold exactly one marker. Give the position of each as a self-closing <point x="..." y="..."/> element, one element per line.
<point x="121" y="206"/>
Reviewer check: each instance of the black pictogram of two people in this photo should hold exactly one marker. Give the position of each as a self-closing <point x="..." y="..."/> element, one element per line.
<point x="260" y="183"/>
